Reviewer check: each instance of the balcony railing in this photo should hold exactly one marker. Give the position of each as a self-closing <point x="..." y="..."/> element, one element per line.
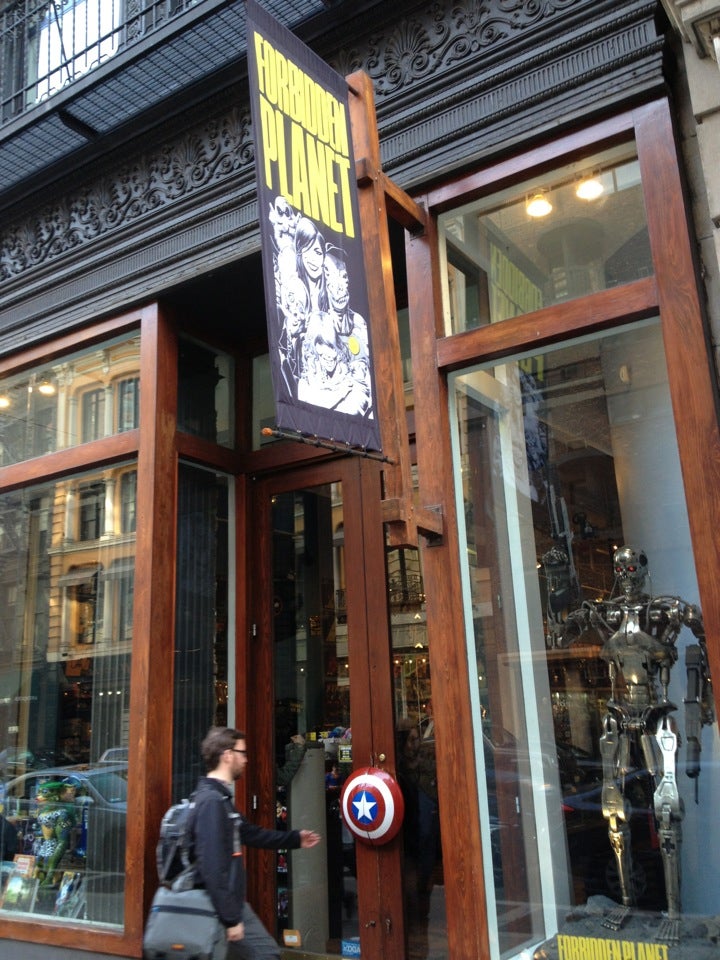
<point x="44" y="46"/>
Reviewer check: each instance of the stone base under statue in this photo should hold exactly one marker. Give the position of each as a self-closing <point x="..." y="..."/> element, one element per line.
<point x="603" y="930"/>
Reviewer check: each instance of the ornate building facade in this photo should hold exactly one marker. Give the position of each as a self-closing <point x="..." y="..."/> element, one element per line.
<point x="545" y="331"/>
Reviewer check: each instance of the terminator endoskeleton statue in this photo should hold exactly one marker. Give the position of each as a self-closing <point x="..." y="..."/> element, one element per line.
<point x="638" y="634"/>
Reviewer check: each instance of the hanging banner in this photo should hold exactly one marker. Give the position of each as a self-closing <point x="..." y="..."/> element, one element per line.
<point x="315" y="284"/>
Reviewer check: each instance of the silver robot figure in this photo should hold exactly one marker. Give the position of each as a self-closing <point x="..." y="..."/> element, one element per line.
<point x="638" y="633"/>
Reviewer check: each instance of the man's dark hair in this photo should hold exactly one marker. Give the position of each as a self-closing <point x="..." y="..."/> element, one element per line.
<point x="216" y="742"/>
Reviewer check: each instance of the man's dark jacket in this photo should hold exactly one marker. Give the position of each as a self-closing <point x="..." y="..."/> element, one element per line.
<point x="219" y="831"/>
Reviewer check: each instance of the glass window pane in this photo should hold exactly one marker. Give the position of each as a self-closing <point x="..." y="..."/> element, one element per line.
<point x="202" y="622"/>
<point x="573" y="231"/>
<point x="563" y="459"/>
<point x="68" y="401"/>
<point x="263" y="408"/>
<point x="423" y="876"/>
<point x="66" y="588"/>
<point x="206" y="392"/>
<point x="313" y="738"/>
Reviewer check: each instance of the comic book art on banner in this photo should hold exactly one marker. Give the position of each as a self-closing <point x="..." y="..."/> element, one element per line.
<point x="315" y="284"/>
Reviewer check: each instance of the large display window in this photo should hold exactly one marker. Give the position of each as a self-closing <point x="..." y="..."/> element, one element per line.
<point x="67" y="559"/>
<point x="599" y="756"/>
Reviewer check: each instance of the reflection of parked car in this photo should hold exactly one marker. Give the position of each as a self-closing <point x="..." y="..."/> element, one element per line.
<point x="114" y="755"/>
<point x="14" y="762"/>
<point x="592" y="861"/>
<point x="100" y="804"/>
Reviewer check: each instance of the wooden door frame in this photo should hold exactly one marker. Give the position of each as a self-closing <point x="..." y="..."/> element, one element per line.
<point x="380" y="908"/>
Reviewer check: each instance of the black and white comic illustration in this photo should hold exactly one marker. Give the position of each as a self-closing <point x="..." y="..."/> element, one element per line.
<point x="322" y="342"/>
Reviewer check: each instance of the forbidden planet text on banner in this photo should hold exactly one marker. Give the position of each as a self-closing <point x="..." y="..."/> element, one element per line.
<point x="305" y="144"/>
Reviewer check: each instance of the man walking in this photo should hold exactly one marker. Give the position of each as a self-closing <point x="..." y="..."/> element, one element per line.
<point x="219" y="833"/>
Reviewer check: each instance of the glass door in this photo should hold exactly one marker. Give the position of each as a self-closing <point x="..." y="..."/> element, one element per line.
<point x="316" y="891"/>
<point x="325" y="718"/>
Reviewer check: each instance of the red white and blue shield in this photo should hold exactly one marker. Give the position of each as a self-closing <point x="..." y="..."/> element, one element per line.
<point x="372" y="805"/>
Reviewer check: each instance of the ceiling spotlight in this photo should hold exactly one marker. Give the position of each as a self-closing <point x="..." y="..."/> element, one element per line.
<point x="5" y="401"/>
<point x="590" y="188"/>
<point x="46" y="387"/>
<point x="538" y="206"/>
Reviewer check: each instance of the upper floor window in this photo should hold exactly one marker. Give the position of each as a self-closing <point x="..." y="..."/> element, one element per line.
<point x="73" y="37"/>
<point x="47" y="44"/>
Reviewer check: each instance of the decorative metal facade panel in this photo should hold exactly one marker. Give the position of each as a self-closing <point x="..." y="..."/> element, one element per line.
<point x="455" y="81"/>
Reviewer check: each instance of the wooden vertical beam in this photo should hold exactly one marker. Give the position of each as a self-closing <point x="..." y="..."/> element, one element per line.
<point x="690" y="375"/>
<point x="386" y="356"/>
<point x="151" y="679"/>
<point x="455" y="735"/>
<point x="379" y="869"/>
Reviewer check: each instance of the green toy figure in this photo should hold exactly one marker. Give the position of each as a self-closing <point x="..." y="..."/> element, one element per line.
<point x="55" y="820"/>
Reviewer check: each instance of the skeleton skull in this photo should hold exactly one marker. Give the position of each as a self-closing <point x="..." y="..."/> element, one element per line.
<point x="630" y="567"/>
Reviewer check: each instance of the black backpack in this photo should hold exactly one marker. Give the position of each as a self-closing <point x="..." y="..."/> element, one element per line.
<point x="175" y="843"/>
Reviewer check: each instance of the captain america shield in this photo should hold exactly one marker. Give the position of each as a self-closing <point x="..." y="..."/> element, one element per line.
<point x="372" y="805"/>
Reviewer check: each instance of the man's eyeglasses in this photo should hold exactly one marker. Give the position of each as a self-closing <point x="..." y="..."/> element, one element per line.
<point x="243" y="752"/>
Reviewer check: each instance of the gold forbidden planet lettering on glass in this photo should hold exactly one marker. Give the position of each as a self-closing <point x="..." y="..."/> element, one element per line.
<point x="593" y="948"/>
<point x="304" y="140"/>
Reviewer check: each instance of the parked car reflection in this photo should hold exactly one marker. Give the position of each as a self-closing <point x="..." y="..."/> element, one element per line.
<point x="14" y="762"/>
<point x="592" y="862"/>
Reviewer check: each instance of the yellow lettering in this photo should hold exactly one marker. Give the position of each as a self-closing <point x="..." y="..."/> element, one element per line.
<point x="628" y="950"/>
<point x="311" y="111"/>
<point x="332" y="186"/>
<point x="309" y="164"/>
<point x="269" y="139"/>
<point x="340" y="140"/>
<point x="343" y="165"/>
<point x="265" y="75"/>
<point x="282" y="154"/>
<point x="297" y="106"/>
<point x="317" y="180"/>
<point x="272" y="132"/>
<point x="281" y="79"/>
<point x="301" y="196"/>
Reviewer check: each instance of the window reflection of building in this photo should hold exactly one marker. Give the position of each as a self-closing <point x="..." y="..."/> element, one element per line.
<point x="93" y="415"/>
<point x="92" y="511"/>
<point x="128" y="501"/>
<point x="74" y="400"/>
<point x="98" y="596"/>
<point x="128" y="392"/>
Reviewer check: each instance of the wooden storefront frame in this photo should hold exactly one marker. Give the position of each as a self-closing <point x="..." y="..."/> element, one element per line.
<point x="158" y="447"/>
<point x="672" y="293"/>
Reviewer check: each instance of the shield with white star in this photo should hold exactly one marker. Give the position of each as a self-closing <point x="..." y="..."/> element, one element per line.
<point x="372" y="805"/>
